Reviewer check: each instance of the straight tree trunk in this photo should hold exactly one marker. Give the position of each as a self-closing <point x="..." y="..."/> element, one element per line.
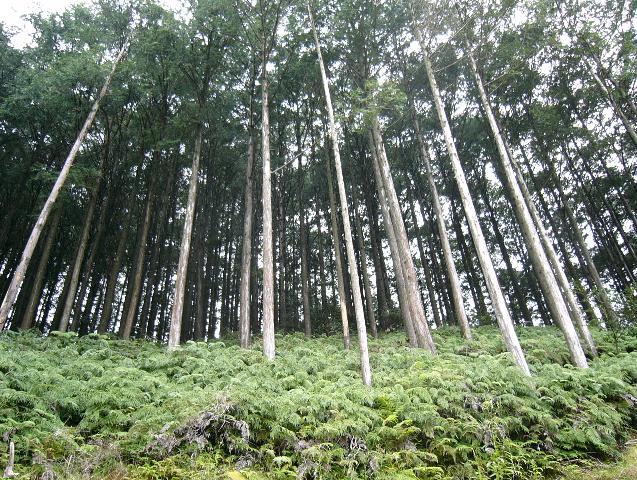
<point x="246" y="251"/>
<point x="497" y="298"/>
<point x="353" y="271"/>
<point x="403" y="299"/>
<point x="184" y="250"/>
<point x="363" y="258"/>
<point x="137" y="271"/>
<point x="412" y="289"/>
<point x="111" y="283"/>
<point x="269" y="349"/>
<point x="305" y="283"/>
<point x="21" y="270"/>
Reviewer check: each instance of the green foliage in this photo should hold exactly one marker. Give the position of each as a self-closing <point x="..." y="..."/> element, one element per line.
<point x="96" y="404"/>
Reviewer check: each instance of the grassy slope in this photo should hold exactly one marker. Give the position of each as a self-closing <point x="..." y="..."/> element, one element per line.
<point x="89" y="408"/>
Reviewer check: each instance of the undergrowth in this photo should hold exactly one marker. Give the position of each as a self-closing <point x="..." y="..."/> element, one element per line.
<point x="97" y="407"/>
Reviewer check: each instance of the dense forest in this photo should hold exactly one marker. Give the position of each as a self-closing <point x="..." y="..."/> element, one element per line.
<point x="436" y="195"/>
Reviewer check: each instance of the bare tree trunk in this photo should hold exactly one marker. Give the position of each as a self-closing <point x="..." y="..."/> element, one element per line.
<point x="452" y="273"/>
<point x="184" y="250"/>
<point x="497" y="298"/>
<point x="336" y="240"/>
<point x="305" y="283"/>
<point x="548" y="282"/>
<point x="403" y="299"/>
<point x="571" y="301"/>
<point x="423" y="260"/>
<point x="34" y="300"/>
<point x="246" y="252"/>
<point x="268" y="258"/>
<point x="405" y="257"/>
<point x="349" y="243"/>
<point x="21" y="270"/>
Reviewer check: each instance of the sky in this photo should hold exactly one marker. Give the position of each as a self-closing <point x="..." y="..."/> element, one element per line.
<point x="13" y="10"/>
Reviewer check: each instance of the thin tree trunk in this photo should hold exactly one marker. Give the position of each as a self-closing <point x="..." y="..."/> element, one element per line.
<point x="79" y="258"/>
<point x="184" y="250"/>
<point x="21" y="270"/>
<point x="412" y="289"/>
<point x="246" y="251"/>
<point x="353" y="271"/>
<point x="137" y="270"/>
<point x="305" y="283"/>
<point x="363" y="258"/>
<point x="269" y="349"/>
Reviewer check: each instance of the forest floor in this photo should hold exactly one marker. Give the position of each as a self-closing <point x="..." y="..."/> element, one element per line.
<point x="97" y="407"/>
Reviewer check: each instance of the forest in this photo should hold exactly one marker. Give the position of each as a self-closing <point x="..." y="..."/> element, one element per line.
<point x="263" y="239"/>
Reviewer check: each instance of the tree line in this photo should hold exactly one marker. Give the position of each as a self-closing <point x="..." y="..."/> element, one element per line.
<point x="244" y="168"/>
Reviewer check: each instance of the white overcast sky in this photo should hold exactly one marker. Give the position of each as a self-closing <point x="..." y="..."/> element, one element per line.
<point x="12" y="11"/>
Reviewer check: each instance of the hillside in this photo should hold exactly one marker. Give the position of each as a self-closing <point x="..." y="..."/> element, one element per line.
<point x="96" y="407"/>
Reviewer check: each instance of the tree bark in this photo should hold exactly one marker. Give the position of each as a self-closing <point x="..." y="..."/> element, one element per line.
<point x="184" y="250"/>
<point x="356" y="293"/>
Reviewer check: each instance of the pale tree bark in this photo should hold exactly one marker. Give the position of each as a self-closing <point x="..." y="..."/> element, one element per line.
<point x="246" y="252"/>
<point x="600" y="290"/>
<point x="184" y="249"/>
<point x="349" y="243"/>
<point x="338" y="259"/>
<point x="412" y="288"/>
<point x="547" y="280"/>
<point x="450" y="265"/>
<point x="502" y="314"/>
<point x="268" y="256"/>
<point x="560" y="275"/>
<point x="363" y="257"/>
<point x="394" y="250"/>
<point x="34" y="300"/>
<point x="25" y="259"/>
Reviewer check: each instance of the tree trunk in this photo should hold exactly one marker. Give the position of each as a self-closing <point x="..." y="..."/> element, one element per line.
<point x="246" y="251"/>
<point x="137" y="269"/>
<point x="356" y="293"/>
<point x="414" y="300"/>
<point x="336" y="240"/>
<point x="452" y="274"/>
<point x="184" y="250"/>
<point x="79" y="258"/>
